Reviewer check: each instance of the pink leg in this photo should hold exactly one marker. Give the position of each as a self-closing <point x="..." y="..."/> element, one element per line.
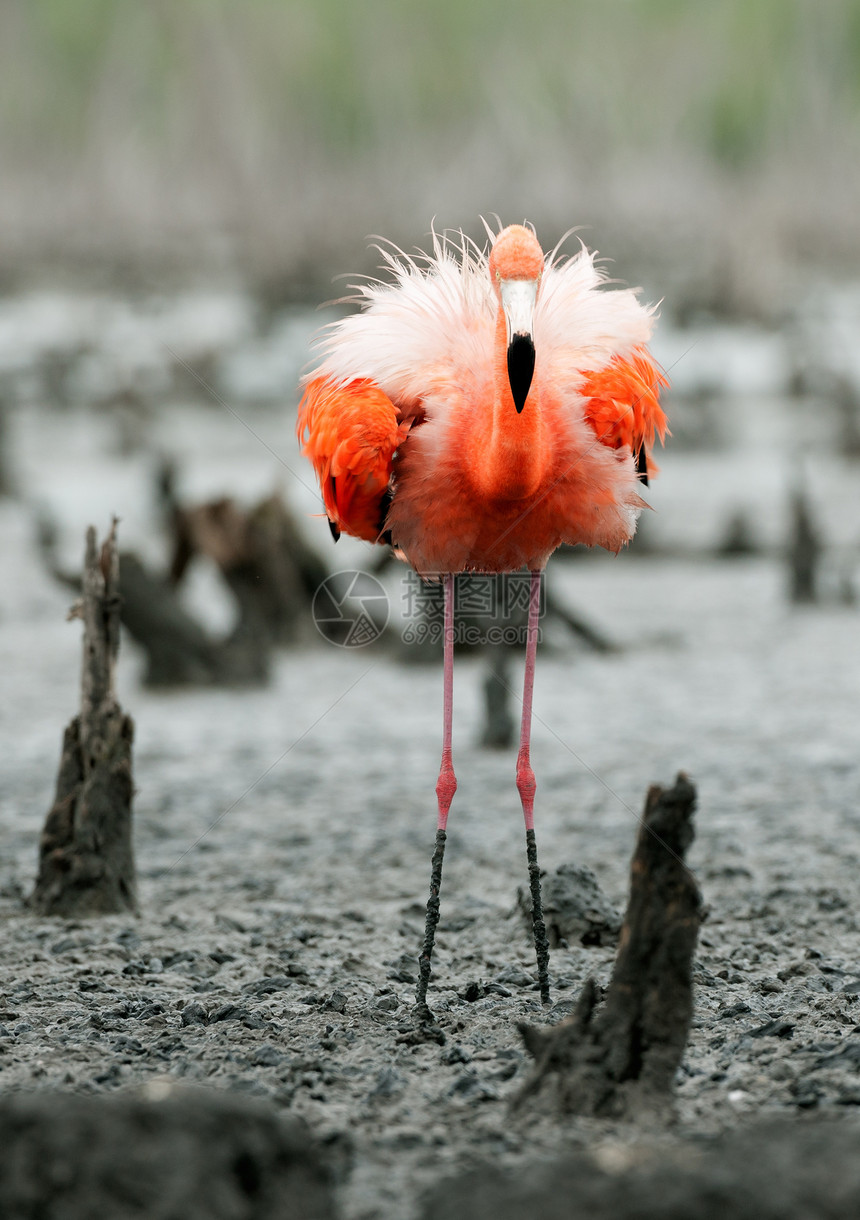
<point x="525" y="776"/>
<point x="526" y="786"/>
<point x="446" y="786"/>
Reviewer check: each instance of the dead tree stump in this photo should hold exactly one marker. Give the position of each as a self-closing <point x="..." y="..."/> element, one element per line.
<point x="86" y="863"/>
<point x="622" y="1060"/>
<point x="804" y="551"/>
<point x="270" y="570"/>
<point x="499" y="725"/>
<point x="7" y="483"/>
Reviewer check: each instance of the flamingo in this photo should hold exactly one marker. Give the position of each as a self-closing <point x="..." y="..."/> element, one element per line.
<point x="483" y="407"/>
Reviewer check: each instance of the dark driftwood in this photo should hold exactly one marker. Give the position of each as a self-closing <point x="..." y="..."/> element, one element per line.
<point x="6" y="481"/>
<point x="270" y="570"/>
<point x="804" y="551"/>
<point x="86" y="863"/>
<point x="499" y="726"/>
<point x="179" y="652"/>
<point x="623" y="1058"/>
<point x="588" y="632"/>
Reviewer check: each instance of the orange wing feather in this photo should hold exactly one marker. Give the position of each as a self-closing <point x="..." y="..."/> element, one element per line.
<point x="623" y="406"/>
<point x="350" y="432"/>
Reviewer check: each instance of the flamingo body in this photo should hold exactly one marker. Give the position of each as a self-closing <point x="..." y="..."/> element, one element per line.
<point x="410" y="423"/>
<point x="478" y="411"/>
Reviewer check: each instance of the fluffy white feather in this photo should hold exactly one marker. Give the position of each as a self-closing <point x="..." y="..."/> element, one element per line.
<point x="581" y="323"/>
<point x="431" y="327"/>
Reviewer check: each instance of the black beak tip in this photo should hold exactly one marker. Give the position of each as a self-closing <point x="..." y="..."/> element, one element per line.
<point x="521" y="367"/>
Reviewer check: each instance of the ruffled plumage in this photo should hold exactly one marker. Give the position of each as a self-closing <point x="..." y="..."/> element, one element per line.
<point x="350" y="433"/>
<point x="420" y="353"/>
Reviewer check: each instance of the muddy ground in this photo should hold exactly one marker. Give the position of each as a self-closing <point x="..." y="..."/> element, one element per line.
<point x="283" y="839"/>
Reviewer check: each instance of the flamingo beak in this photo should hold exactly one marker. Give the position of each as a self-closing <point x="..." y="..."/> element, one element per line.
<point x="518" y="304"/>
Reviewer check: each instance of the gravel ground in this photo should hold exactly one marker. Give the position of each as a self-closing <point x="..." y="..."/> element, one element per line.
<point x="283" y="841"/>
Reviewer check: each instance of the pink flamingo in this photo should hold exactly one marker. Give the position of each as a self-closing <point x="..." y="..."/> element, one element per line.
<point x="479" y="411"/>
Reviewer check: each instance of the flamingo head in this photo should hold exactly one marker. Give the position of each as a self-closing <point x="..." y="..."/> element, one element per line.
<point x="516" y="266"/>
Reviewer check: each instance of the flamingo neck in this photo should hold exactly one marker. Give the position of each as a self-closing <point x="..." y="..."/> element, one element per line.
<point x="511" y="456"/>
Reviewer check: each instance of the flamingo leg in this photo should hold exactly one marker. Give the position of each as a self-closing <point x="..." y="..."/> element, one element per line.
<point x="446" y="786"/>
<point x="526" y="786"/>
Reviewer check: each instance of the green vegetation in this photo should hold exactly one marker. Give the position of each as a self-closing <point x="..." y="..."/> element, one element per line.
<point x="350" y="74"/>
<point x="261" y="114"/>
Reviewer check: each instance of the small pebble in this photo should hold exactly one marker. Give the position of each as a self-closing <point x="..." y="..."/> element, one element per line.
<point x="194" y="1014"/>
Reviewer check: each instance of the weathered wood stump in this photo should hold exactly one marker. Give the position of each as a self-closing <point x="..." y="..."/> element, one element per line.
<point x="270" y="570"/>
<point x="86" y="862"/>
<point x="7" y="483"/>
<point x="804" y="551"/>
<point x="499" y="725"/>
<point x="179" y="651"/>
<point x="622" y="1059"/>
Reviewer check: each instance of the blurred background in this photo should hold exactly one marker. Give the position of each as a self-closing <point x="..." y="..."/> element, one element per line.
<point x="183" y="184"/>
<point x="713" y="148"/>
